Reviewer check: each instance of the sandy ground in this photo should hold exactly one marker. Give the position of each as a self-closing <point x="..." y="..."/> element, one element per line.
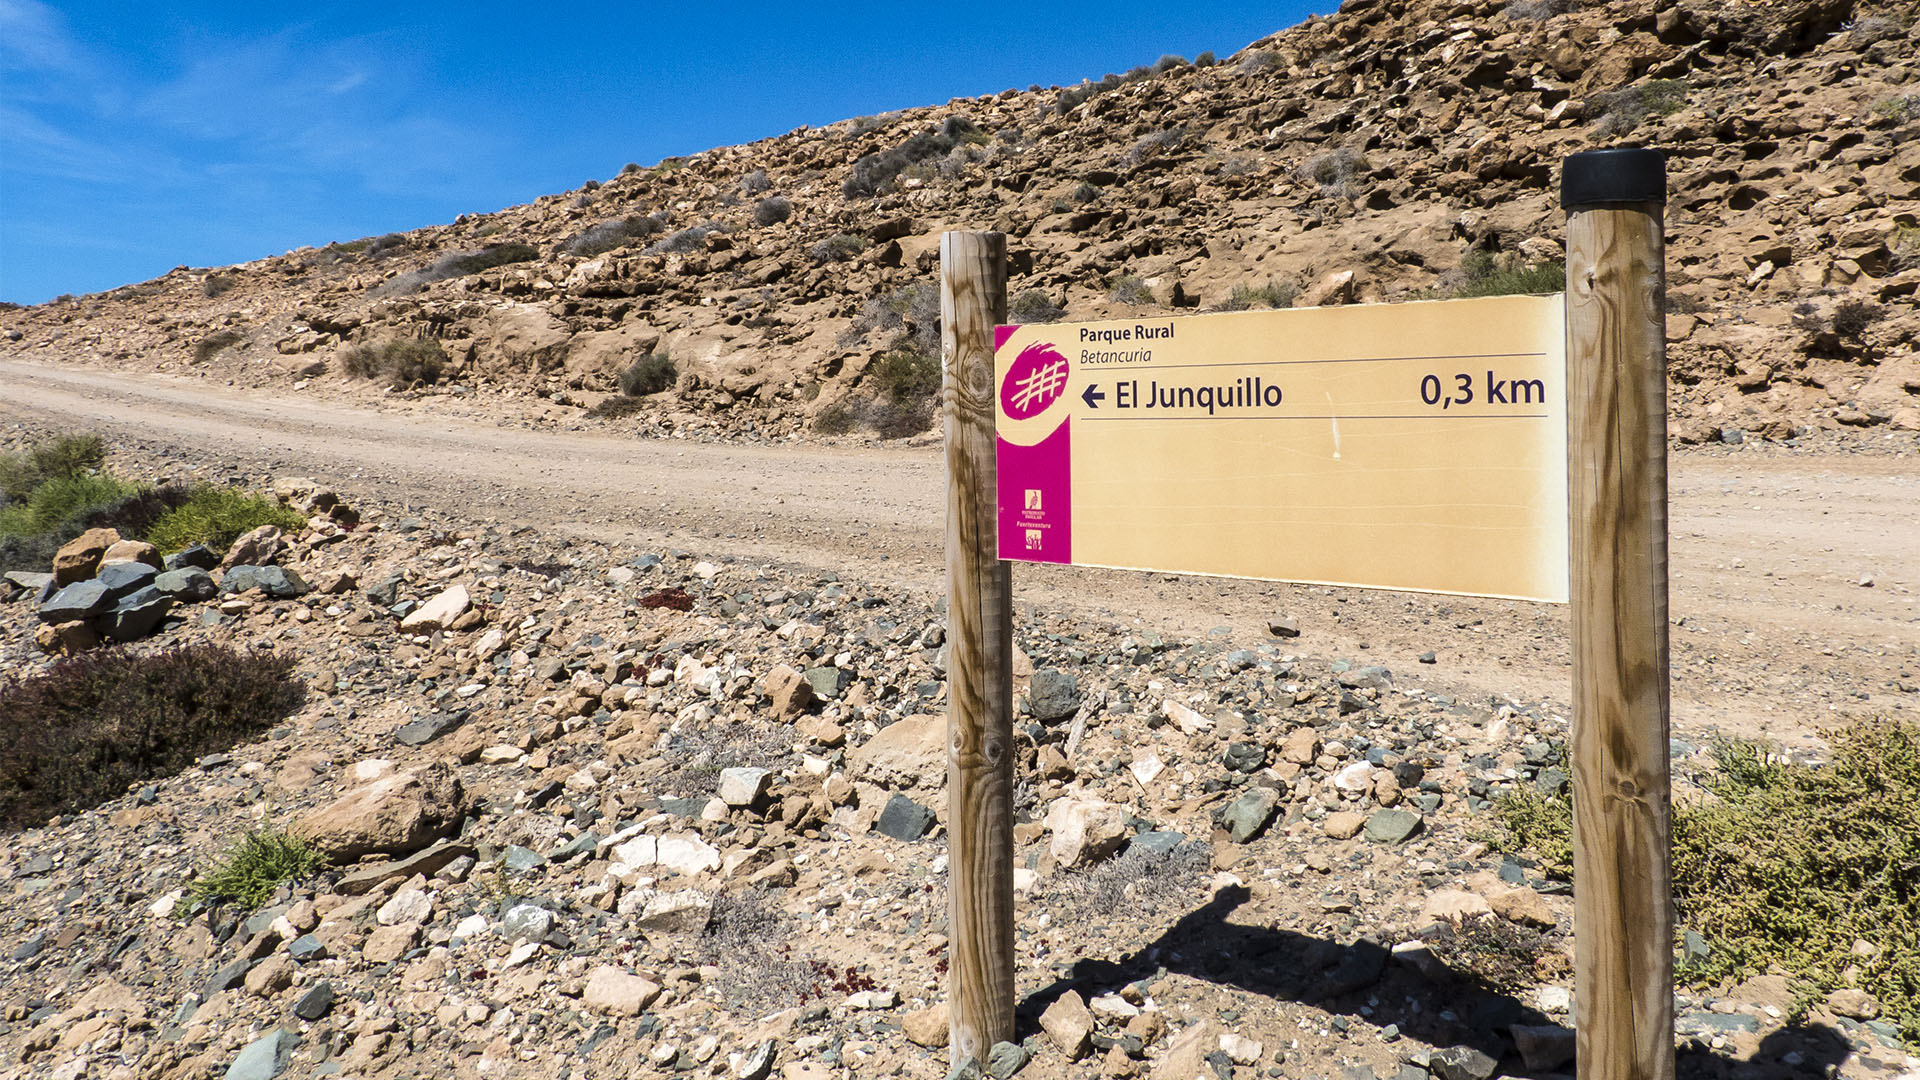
<point x="1795" y="573"/>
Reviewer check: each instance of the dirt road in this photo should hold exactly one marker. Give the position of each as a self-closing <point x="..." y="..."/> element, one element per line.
<point x="1795" y="575"/>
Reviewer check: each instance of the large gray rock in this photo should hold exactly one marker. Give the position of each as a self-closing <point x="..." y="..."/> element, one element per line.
<point x="257" y="548"/>
<point x="136" y="616"/>
<point x="904" y="819"/>
<point x="81" y="600"/>
<point x="1053" y="695"/>
<point x="122" y="578"/>
<point x="275" y="581"/>
<point x="198" y="556"/>
<point x="187" y="583"/>
<point x="265" y="1057"/>
<point x="1247" y="816"/>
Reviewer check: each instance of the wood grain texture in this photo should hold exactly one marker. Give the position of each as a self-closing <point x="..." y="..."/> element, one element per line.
<point x="1617" y="477"/>
<point x="973" y="298"/>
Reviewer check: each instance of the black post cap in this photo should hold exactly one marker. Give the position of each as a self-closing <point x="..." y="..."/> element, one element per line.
<point x="1628" y="174"/>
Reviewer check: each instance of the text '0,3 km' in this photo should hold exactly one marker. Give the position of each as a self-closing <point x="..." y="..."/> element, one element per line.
<point x="1413" y="446"/>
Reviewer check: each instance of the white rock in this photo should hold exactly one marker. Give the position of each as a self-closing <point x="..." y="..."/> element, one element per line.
<point x="406" y="906"/>
<point x="686" y="853"/>
<point x="1242" y="1050"/>
<point x="502" y="755"/>
<point x="1557" y="1000"/>
<point x="1187" y="720"/>
<point x="1085" y="830"/>
<point x="668" y="911"/>
<point x="1146" y="768"/>
<point x="1113" y="1007"/>
<point x="521" y="954"/>
<point x="743" y="786"/>
<point x="489" y="644"/>
<point x="622" y="575"/>
<point x="1355" y="777"/>
<point x="705" y="571"/>
<point x="371" y="769"/>
<point x="436" y="613"/>
<point x="873" y="999"/>
<point x="163" y="907"/>
<point x="471" y="927"/>
<point x="1024" y="879"/>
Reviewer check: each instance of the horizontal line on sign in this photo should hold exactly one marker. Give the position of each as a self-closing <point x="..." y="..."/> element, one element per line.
<point x="1330" y="416"/>
<point x="1326" y="360"/>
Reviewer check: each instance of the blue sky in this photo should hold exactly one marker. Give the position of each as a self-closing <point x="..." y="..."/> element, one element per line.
<point x="135" y="137"/>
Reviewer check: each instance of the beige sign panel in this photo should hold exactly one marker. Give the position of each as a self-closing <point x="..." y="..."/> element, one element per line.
<point x="1415" y="446"/>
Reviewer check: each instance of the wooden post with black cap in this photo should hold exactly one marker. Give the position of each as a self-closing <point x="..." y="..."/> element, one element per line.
<point x="973" y="300"/>
<point x="1617" y="513"/>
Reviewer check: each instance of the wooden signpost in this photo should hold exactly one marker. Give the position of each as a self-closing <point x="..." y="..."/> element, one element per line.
<point x="1414" y="446"/>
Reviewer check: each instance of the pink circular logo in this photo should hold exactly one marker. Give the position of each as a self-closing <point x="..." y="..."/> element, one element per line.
<point x="1036" y="380"/>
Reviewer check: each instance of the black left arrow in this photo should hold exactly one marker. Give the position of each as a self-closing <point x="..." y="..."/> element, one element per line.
<point x="1091" y="395"/>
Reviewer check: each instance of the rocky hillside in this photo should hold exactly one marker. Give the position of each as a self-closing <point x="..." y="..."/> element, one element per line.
<point x="1397" y="148"/>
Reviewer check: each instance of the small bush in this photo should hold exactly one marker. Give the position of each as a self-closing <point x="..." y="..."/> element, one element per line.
<point x="486" y="259"/>
<point x="609" y="235"/>
<point x="650" y="374"/>
<point x="1621" y="111"/>
<point x="772" y="210"/>
<point x="1253" y="63"/>
<point x="1138" y="879"/>
<point x="688" y="239"/>
<point x="216" y="517"/>
<point x="63" y="456"/>
<point x="906" y="374"/>
<point x="1274" y="294"/>
<point x="1033" y="306"/>
<point x="214" y="285"/>
<point x="1541" y="9"/>
<point x="617" y="408"/>
<point x="836" y="248"/>
<point x="962" y="130"/>
<point x="259" y="863"/>
<point x="1536" y="821"/>
<point x="1336" y="171"/>
<point x="874" y="171"/>
<point x="1160" y="142"/>
<point x="61" y="499"/>
<point x="93" y="725"/>
<point x="401" y="364"/>
<point x="1205" y="59"/>
<point x="213" y="344"/>
<point x="390" y="244"/>
<point x="1851" y="318"/>
<point x="912" y="310"/>
<point x="1129" y="289"/>
<point x="1507" y="956"/>
<point x="1085" y="192"/>
<point x="1480" y="274"/>
<point x="755" y="182"/>
<point x="1169" y="62"/>
<point x="134" y="515"/>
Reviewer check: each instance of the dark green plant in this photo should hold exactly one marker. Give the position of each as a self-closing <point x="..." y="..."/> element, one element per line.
<point x="906" y="374"/>
<point x="60" y="499"/>
<point x="216" y="517"/>
<point x="1620" y="111"/>
<point x="91" y="726"/>
<point x="256" y="865"/>
<point x="1480" y="274"/>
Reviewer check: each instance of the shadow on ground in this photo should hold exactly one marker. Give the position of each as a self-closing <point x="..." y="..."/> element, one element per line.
<point x="1440" y="1006"/>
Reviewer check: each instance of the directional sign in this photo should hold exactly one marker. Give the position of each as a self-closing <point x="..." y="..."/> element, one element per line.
<point x="1410" y="446"/>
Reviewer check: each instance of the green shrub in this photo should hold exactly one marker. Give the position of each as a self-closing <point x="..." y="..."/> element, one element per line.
<point x="1274" y="294"/>
<point x="1787" y="865"/>
<point x="256" y="865"/>
<point x="650" y="374"/>
<point x="65" y="455"/>
<point x="133" y="516"/>
<point x="1791" y="864"/>
<point x="1480" y="274"/>
<point x="1620" y="111"/>
<point x="906" y="374"/>
<point x="213" y="344"/>
<point x="91" y="726"/>
<point x="401" y="364"/>
<point x="1032" y="306"/>
<point x="216" y="517"/>
<point x="1129" y="289"/>
<point x="59" y="500"/>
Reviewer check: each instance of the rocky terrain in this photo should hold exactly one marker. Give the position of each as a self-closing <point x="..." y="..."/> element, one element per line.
<point x="601" y="810"/>
<point x="1390" y="150"/>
